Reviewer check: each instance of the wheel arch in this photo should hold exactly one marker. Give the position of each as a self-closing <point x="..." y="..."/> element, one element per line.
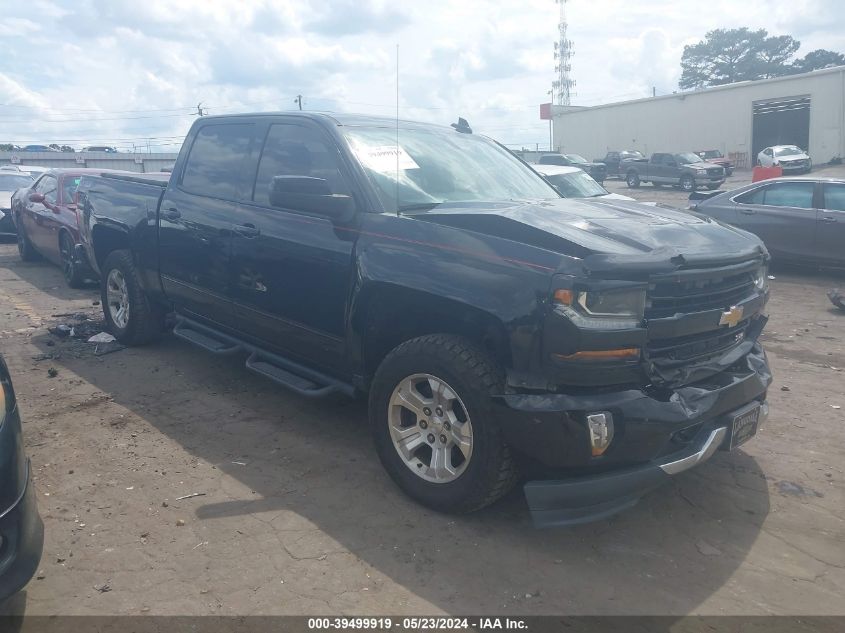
<point x="387" y="315"/>
<point x="106" y="240"/>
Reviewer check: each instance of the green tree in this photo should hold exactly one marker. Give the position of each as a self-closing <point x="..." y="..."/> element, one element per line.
<point x="722" y="57"/>
<point x="6" y="147"/>
<point x="816" y="60"/>
<point x="772" y="57"/>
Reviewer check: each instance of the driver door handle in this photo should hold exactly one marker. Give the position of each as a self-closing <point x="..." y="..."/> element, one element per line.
<point x="172" y="214"/>
<point x="748" y="211"/>
<point x="828" y="218"/>
<point x="247" y="230"/>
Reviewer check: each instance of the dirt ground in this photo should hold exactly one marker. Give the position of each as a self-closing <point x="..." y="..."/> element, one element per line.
<point x="296" y="516"/>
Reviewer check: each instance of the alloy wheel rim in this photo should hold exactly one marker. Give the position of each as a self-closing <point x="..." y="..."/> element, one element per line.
<point x="430" y="428"/>
<point x="117" y="297"/>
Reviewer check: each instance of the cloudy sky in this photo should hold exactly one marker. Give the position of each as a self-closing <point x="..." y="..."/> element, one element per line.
<point x="124" y="72"/>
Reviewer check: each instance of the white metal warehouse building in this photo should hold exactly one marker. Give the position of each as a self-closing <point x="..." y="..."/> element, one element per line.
<point x="739" y="119"/>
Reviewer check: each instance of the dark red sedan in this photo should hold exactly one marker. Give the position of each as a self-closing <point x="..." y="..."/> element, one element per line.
<point x="48" y="224"/>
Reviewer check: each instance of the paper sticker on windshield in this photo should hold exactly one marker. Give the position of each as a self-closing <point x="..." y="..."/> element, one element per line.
<point x="383" y="158"/>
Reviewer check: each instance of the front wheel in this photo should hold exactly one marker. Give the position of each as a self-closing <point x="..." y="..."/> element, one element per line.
<point x="432" y="422"/>
<point x="687" y="183"/>
<point x="130" y="315"/>
<point x="633" y="180"/>
<point x="74" y="276"/>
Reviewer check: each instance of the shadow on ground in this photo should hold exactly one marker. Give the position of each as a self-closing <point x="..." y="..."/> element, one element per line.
<point x="310" y="463"/>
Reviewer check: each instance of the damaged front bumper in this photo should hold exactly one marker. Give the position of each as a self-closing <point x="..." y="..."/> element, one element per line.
<point x="658" y="433"/>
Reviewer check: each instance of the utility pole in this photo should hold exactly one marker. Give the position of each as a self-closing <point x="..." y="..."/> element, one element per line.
<point x="654" y="91"/>
<point x="200" y="110"/>
<point x="298" y="101"/>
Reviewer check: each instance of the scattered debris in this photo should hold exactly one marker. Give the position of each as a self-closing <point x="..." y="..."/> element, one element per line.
<point x="52" y="372"/>
<point x="62" y="330"/>
<point x="164" y="504"/>
<point x="835" y="406"/>
<point x="837" y="298"/>
<point x="707" y="550"/>
<point x="180" y="522"/>
<point x="323" y="557"/>
<point x="771" y="277"/>
<point x="784" y="388"/>
<point x="193" y="494"/>
<point x="95" y="303"/>
<point x="797" y="490"/>
<point x="104" y="588"/>
<point x="102" y="337"/>
<point x="40" y="575"/>
<point x="240" y="463"/>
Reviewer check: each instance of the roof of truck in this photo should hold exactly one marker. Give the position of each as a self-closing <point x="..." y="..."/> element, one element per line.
<point x="339" y="119"/>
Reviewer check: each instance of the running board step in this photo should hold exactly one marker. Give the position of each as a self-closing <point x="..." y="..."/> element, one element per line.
<point x="299" y="384"/>
<point x="205" y="341"/>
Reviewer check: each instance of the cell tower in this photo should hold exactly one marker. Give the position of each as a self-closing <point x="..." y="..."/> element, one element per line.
<point x="563" y="85"/>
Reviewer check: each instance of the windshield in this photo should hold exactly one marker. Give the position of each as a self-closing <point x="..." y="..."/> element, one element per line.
<point x="12" y="182"/>
<point x="687" y="157"/>
<point x="789" y="150"/>
<point x="577" y="185"/>
<point x="440" y="166"/>
<point x="632" y="154"/>
<point x="577" y="158"/>
<point x="712" y="153"/>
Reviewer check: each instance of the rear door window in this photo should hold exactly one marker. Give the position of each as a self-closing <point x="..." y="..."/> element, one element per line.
<point x="755" y="196"/>
<point x="214" y="165"/>
<point x="834" y="197"/>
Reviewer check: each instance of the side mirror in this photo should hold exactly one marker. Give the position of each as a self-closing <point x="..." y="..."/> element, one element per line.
<point x="36" y="197"/>
<point x="309" y="194"/>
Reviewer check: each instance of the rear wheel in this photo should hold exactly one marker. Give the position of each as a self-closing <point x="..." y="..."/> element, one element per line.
<point x="632" y="179"/>
<point x="432" y="422"/>
<point x="26" y="250"/>
<point x="687" y="183"/>
<point x="70" y="268"/>
<point x="130" y="315"/>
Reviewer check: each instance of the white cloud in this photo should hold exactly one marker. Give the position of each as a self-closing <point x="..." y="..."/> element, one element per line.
<point x="100" y="70"/>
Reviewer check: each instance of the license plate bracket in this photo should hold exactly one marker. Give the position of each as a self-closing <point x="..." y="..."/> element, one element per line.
<point x="744" y="426"/>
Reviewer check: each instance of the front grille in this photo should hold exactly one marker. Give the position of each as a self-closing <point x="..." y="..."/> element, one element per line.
<point x="696" y="348"/>
<point x="714" y="172"/>
<point x="679" y="296"/>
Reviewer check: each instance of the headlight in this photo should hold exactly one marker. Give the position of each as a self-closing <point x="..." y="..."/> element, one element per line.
<point x="603" y="308"/>
<point x="761" y="277"/>
<point x="700" y="172"/>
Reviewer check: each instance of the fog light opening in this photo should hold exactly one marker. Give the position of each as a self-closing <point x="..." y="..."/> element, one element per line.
<point x="600" y="426"/>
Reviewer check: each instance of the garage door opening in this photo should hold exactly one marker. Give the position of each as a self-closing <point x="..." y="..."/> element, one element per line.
<point x="784" y="121"/>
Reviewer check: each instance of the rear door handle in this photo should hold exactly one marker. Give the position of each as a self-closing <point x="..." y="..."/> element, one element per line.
<point x="247" y="230"/>
<point x="828" y="218"/>
<point x="172" y="214"/>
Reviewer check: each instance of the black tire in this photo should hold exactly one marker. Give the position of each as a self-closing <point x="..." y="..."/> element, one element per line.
<point x="474" y="377"/>
<point x="632" y="179"/>
<point x="26" y="250"/>
<point x="687" y="183"/>
<point x="72" y="271"/>
<point x="145" y="320"/>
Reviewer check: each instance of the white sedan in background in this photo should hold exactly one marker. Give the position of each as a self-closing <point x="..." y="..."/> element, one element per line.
<point x="790" y="158"/>
<point x="572" y="182"/>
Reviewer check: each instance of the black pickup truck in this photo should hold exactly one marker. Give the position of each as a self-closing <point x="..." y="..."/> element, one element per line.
<point x="685" y="170"/>
<point x="614" y="159"/>
<point x="596" y="346"/>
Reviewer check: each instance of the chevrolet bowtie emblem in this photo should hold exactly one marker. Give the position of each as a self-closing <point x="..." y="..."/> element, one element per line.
<point x="732" y="316"/>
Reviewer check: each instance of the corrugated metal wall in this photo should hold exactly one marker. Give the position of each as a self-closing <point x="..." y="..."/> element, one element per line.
<point x="716" y="118"/>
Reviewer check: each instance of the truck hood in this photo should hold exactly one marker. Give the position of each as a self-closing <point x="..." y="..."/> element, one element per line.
<point x="602" y="226"/>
